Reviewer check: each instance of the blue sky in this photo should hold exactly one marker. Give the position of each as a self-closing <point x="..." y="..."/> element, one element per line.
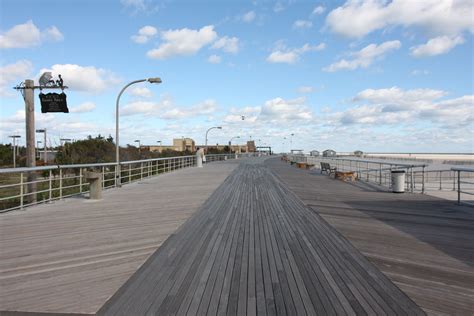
<point x="385" y="76"/>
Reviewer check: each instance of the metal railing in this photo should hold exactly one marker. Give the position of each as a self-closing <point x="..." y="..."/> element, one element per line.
<point x="463" y="186"/>
<point x="372" y="171"/>
<point x="21" y="187"/>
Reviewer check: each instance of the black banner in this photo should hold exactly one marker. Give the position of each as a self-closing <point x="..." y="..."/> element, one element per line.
<point x="53" y="102"/>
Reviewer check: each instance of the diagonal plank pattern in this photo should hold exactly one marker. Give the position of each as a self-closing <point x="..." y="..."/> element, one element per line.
<point x="254" y="249"/>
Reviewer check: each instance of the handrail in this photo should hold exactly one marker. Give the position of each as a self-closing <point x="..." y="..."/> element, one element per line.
<point x="458" y="170"/>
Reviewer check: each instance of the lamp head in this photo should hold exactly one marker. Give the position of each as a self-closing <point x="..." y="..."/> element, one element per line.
<point x="154" y="80"/>
<point x="219" y="127"/>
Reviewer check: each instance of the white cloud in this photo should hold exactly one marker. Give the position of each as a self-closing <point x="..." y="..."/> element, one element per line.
<point x="83" y="108"/>
<point x="13" y="74"/>
<point x="183" y="42"/>
<point x="291" y="56"/>
<point x="436" y="46"/>
<point x="302" y="24"/>
<point x="141" y="92"/>
<point x="140" y="6"/>
<point x="357" y="18"/>
<point x="418" y="72"/>
<point x="227" y="44"/>
<point x="249" y="16"/>
<point x="305" y="89"/>
<point x="397" y="106"/>
<point x="365" y="57"/>
<point x="84" y="78"/>
<point x="214" y="59"/>
<point x="28" y="35"/>
<point x="319" y="10"/>
<point x="278" y="7"/>
<point x="166" y="109"/>
<point x="144" y="34"/>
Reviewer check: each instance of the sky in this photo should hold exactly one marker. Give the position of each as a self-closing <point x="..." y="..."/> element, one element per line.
<point x="370" y="75"/>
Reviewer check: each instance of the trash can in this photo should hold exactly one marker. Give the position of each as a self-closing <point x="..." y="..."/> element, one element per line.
<point x="398" y="181"/>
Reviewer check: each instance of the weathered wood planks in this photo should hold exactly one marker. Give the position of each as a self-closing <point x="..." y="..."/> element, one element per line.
<point x="254" y="248"/>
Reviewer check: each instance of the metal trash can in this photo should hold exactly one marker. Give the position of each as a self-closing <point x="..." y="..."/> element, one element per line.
<point x="398" y="181"/>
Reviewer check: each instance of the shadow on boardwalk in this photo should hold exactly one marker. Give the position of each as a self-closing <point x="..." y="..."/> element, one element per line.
<point x="423" y="243"/>
<point x="255" y="248"/>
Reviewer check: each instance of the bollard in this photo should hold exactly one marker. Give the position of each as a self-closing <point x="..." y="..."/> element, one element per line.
<point x="95" y="185"/>
<point x="200" y="157"/>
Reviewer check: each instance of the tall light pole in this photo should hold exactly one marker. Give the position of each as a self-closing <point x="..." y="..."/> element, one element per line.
<point x="139" y="144"/>
<point x="117" y="143"/>
<point x="37" y="148"/>
<point x="230" y="142"/>
<point x="65" y="140"/>
<point x="45" y="154"/>
<point x="291" y="140"/>
<point x="207" y="132"/>
<point x="14" y="137"/>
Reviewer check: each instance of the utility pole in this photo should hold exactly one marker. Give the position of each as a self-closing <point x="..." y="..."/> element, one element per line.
<point x="45" y="153"/>
<point x="15" y="152"/>
<point x="29" y="96"/>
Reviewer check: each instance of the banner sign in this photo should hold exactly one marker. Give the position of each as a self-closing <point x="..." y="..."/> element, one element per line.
<point x="53" y="102"/>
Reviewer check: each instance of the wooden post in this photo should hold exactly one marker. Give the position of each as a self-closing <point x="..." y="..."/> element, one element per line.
<point x="29" y="96"/>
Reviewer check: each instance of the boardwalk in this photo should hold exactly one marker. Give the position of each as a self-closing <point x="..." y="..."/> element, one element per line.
<point x="254" y="248"/>
<point x="425" y="245"/>
<point x="72" y="255"/>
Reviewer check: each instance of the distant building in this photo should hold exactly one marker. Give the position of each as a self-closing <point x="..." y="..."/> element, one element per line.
<point x="329" y="153"/>
<point x="251" y="146"/>
<point x="314" y="153"/>
<point x="179" y="144"/>
<point x="358" y="153"/>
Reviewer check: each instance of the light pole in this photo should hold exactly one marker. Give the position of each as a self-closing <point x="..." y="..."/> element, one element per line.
<point x="217" y="127"/>
<point x="14" y="137"/>
<point x="45" y="155"/>
<point x="291" y="140"/>
<point x="65" y="140"/>
<point x="37" y="148"/>
<point x="139" y="144"/>
<point x="117" y="146"/>
<point x="230" y="142"/>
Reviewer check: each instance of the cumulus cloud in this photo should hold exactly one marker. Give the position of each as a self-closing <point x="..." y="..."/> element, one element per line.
<point x="365" y="57"/>
<point x="302" y="24"/>
<point x="141" y="92"/>
<point x="84" y="78"/>
<point x="183" y="42"/>
<point x="12" y="74"/>
<point x="144" y="34"/>
<point x="357" y="18"/>
<point x="319" y="10"/>
<point x="227" y="44"/>
<point x="28" y="35"/>
<point x="436" y="46"/>
<point x="214" y="59"/>
<point x="292" y="55"/>
<point x="305" y="89"/>
<point x="166" y="109"/>
<point x="83" y="108"/>
<point x="398" y="106"/>
<point x="249" y="16"/>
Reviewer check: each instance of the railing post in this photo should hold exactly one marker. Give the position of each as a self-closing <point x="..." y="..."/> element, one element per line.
<point x="60" y="183"/>
<point x="380" y="174"/>
<point x="50" y="185"/>
<point x="103" y="177"/>
<point x="459" y="187"/>
<point x="423" y="181"/>
<point x="21" y="190"/>
<point x="411" y="180"/>
<point x="80" y="180"/>
<point x="454" y="180"/>
<point x="141" y="170"/>
<point x="440" y="180"/>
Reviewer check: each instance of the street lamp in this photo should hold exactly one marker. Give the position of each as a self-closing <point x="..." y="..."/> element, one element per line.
<point x="65" y="140"/>
<point x="218" y="127"/>
<point x="14" y="137"/>
<point x="117" y="146"/>
<point x="139" y="145"/>
<point x="45" y="158"/>
<point x="230" y="142"/>
<point x="291" y="141"/>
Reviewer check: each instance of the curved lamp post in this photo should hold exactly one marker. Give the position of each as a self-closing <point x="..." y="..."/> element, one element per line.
<point x="230" y="142"/>
<point x="117" y="146"/>
<point x="207" y="132"/>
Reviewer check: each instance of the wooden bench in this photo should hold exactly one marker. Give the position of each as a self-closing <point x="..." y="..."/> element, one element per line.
<point x="309" y="166"/>
<point x="345" y="175"/>
<point x="325" y="167"/>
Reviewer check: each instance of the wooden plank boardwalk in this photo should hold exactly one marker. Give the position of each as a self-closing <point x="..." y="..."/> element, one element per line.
<point x="72" y="255"/>
<point x="254" y="248"/>
<point x="425" y="245"/>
